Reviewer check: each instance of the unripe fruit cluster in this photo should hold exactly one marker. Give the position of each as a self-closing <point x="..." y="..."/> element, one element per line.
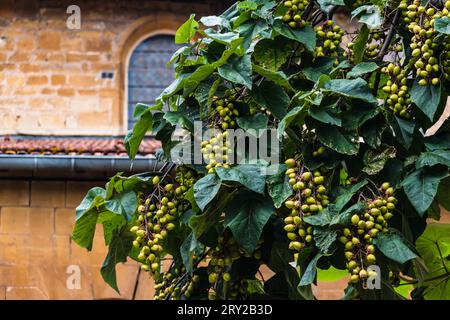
<point x="358" y="238"/>
<point x="329" y="38"/>
<point x="293" y="16"/>
<point x="216" y="151"/>
<point x="398" y="99"/>
<point x="319" y="151"/>
<point x="309" y="198"/>
<point x="158" y="216"/>
<point x="225" y="113"/>
<point x="221" y="259"/>
<point x="424" y="42"/>
<point x="171" y="287"/>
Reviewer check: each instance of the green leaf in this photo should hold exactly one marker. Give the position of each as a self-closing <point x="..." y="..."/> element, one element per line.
<point x="433" y="246"/>
<point x="276" y="76"/>
<point x="359" y="45"/>
<point x="442" y="25"/>
<point x="272" y="54"/>
<point x="375" y="160"/>
<point x="305" y="36"/>
<point x="178" y="118"/>
<point x="279" y="188"/>
<point x="223" y="38"/>
<point x="124" y="204"/>
<point x="272" y="97"/>
<point x="395" y="247"/>
<point x="190" y="247"/>
<point x="361" y="69"/>
<point x="246" y="217"/>
<point x="324" y="239"/>
<point x="187" y="31"/>
<point x="356" y="88"/>
<point x="327" y="5"/>
<point x="119" y="248"/>
<point x="206" y="189"/>
<point x="320" y="66"/>
<point x="369" y="15"/>
<point x="86" y="217"/>
<point x="326" y="114"/>
<point x="438" y="142"/>
<point x="310" y="273"/>
<point x="249" y="176"/>
<point x="134" y="137"/>
<point x="257" y="122"/>
<point x="292" y="116"/>
<point x="337" y="139"/>
<point x="238" y="70"/>
<point x="212" y="21"/>
<point x="247" y="5"/>
<point x="427" y="98"/>
<point x="429" y="159"/>
<point x="404" y="131"/>
<point x="421" y="187"/>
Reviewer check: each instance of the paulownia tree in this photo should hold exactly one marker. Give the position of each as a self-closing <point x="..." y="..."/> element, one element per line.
<point x="350" y="103"/>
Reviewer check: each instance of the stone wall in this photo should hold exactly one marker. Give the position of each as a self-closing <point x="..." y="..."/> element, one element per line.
<point x="50" y="76"/>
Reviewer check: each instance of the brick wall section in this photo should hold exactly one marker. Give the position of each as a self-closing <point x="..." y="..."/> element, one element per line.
<point x="50" y="76"/>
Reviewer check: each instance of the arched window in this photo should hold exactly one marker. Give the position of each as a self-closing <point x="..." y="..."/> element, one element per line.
<point x="148" y="74"/>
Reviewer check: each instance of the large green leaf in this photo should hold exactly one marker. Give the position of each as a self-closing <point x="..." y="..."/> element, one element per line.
<point x="296" y="115"/>
<point x="369" y="15"/>
<point x="442" y="25"/>
<point x="429" y="159"/>
<point x="272" y="54"/>
<point x="427" y="98"/>
<point x="434" y="247"/>
<point x="272" y="97"/>
<point x="306" y="35"/>
<point x="86" y="217"/>
<point x="190" y="247"/>
<point x="279" y="188"/>
<point x="276" y="76"/>
<point x="438" y="142"/>
<point x="224" y="38"/>
<point x="134" y="137"/>
<point x="326" y="114"/>
<point x="187" y="31"/>
<point x="395" y="247"/>
<point x="256" y="122"/>
<point x="404" y="131"/>
<point x="356" y="88"/>
<point x="421" y="187"/>
<point x="327" y="5"/>
<point x="359" y="45"/>
<point x="119" y="248"/>
<point x="249" y="176"/>
<point x="361" y="69"/>
<point x="246" y="217"/>
<point x="310" y="272"/>
<point x="238" y="70"/>
<point x="178" y="118"/>
<point x="320" y="66"/>
<point x="206" y="189"/>
<point x="375" y="160"/>
<point x="124" y="204"/>
<point x="338" y="139"/>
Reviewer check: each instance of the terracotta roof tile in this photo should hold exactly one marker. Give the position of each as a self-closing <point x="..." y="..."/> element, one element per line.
<point x="80" y="146"/>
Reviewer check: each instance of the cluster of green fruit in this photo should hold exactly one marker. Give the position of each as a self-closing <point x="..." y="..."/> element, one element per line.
<point x="216" y="151"/>
<point x="221" y="259"/>
<point x="171" y="285"/>
<point x="309" y="198"/>
<point x="446" y="56"/>
<point x="225" y="113"/>
<point x="424" y="43"/>
<point x="358" y="238"/>
<point x="293" y="15"/>
<point x="158" y="215"/>
<point x="319" y="151"/>
<point x="398" y="99"/>
<point x="329" y="38"/>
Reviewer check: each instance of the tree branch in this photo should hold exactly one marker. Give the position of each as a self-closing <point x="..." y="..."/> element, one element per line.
<point x="388" y="40"/>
